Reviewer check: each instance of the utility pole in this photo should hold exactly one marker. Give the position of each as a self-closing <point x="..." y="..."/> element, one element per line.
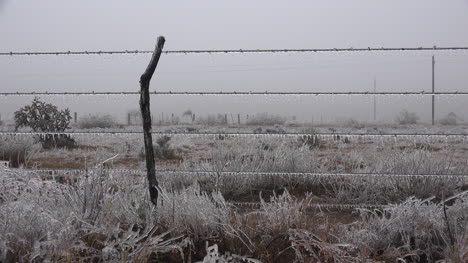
<point x="433" y="90"/>
<point x="375" y="102"/>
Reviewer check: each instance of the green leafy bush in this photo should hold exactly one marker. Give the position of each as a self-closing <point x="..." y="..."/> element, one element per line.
<point x="45" y="117"/>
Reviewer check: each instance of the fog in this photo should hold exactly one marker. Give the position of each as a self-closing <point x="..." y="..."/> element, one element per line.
<point x="120" y="25"/>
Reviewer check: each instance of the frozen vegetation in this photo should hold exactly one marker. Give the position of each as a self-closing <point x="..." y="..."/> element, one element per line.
<point x="101" y="210"/>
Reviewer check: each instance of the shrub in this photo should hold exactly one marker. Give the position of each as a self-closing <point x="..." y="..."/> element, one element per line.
<point x="266" y="119"/>
<point x="406" y="117"/>
<point x="45" y="117"/>
<point x="450" y="119"/>
<point x="162" y="149"/>
<point x="97" y="121"/>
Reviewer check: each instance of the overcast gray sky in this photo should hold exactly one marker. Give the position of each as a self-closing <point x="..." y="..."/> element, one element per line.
<point x="54" y="25"/>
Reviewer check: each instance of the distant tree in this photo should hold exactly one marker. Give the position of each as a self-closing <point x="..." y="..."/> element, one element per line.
<point x="45" y="117"/>
<point x="187" y="113"/>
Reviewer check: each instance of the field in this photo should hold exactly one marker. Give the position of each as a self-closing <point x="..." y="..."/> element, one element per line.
<point x="269" y="196"/>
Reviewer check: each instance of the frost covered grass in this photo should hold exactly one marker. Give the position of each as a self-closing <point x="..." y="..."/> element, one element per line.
<point x="413" y="231"/>
<point x="108" y="217"/>
<point x="17" y="150"/>
<point x="105" y="215"/>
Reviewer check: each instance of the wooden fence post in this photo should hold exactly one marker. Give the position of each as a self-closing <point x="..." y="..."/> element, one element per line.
<point x="146" y="116"/>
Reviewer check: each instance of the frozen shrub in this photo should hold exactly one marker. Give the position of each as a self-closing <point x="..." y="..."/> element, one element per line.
<point x="415" y="230"/>
<point x="450" y="119"/>
<point x="162" y="149"/>
<point x="405" y="117"/>
<point x="97" y="121"/>
<point x="101" y="217"/>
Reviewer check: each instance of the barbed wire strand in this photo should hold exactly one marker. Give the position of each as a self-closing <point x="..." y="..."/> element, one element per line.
<point x="317" y="205"/>
<point x="242" y="173"/>
<point x="236" y="51"/>
<point x="239" y="93"/>
<point x="326" y="134"/>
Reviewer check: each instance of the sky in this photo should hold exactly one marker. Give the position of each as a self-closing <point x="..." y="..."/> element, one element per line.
<point x="54" y="25"/>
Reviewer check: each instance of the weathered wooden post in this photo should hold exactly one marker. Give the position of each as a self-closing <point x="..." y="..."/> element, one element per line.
<point x="146" y="116"/>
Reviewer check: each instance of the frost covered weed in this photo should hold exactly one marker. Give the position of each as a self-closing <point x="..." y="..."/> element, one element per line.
<point x="100" y="217"/>
<point x="308" y="246"/>
<point x="392" y="189"/>
<point x="258" y="156"/>
<point x="193" y="213"/>
<point x="265" y="232"/>
<point x="17" y="150"/>
<point x="414" y="230"/>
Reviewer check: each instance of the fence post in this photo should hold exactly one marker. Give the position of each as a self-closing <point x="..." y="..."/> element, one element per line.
<point x="75" y="116"/>
<point x="146" y="118"/>
<point x="238" y="118"/>
<point x="433" y="90"/>
<point x="129" y="119"/>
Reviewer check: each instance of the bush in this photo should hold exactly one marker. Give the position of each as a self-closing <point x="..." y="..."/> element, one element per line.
<point x="266" y="119"/>
<point x="45" y="117"/>
<point x="162" y="149"/>
<point x="405" y="117"/>
<point x="97" y="121"/>
<point x="450" y="119"/>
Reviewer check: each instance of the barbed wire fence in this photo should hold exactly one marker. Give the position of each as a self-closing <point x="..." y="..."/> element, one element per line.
<point x="393" y="136"/>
